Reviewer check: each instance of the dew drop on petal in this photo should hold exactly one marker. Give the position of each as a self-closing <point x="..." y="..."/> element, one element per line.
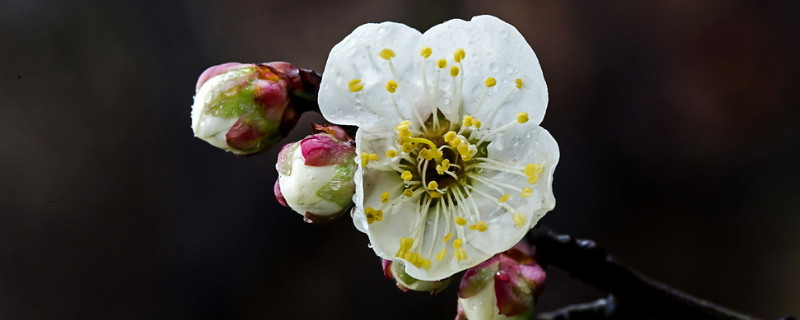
<point x="509" y="69"/>
<point x="493" y="67"/>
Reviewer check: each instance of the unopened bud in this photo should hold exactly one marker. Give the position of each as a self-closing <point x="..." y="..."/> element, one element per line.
<point x="315" y="175"/>
<point x="396" y="270"/>
<point x="504" y="287"/>
<point x="245" y="108"/>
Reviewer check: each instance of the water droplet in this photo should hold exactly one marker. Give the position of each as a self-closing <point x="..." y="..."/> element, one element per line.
<point x="493" y="67"/>
<point x="509" y="69"/>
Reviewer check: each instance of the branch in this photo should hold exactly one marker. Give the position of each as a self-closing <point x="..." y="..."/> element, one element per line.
<point x="642" y="296"/>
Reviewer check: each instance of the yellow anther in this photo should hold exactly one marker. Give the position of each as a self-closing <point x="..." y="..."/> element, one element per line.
<point x="433" y="185"/>
<point x="526" y="192"/>
<point x="385" y="197"/>
<point x="405" y="123"/>
<point x="439" y="169"/>
<point x="364" y="159"/>
<point x="463" y="150"/>
<point x="426" y="52"/>
<point x="459" y="55"/>
<point x="406" y="175"/>
<point x="424" y="154"/>
<point x="467" y="121"/>
<point x="460" y="254"/>
<point x="406" y="243"/>
<point x="408" y="193"/>
<point x="407" y="148"/>
<point x="461" y="221"/>
<point x="447" y="237"/>
<point x="532" y="171"/>
<point x="355" y="85"/>
<point x="519" y="219"/>
<point x="441" y="63"/>
<point x="480" y="226"/>
<point x="519" y="83"/>
<point x="440" y="256"/>
<point x="373" y="215"/>
<point x="387" y="54"/>
<point x="373" y="157"/>
<point x="490" y="82"/>
<point x="434" y="195"/>
<point x="391" y="153"/>
<point x="476" y="123"/>
<point x="455" y="142"/>
<point x="453" y="71"/>
<point x="504" y="198"/>
<point x="426" y="264"/>
<point x="391" y="86"/>
<point x="457" y="243"/>
<point x="446" y="164"/>
<point x="522" y="117"/>
<point x="449" y="136"/>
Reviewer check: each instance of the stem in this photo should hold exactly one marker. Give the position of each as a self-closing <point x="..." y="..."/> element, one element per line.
<point x="604" y="308"/>
<point x="641" y="295"/>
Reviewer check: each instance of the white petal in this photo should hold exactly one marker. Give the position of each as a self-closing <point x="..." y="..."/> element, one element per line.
<point x="493" y="49"/>
<point x="357" y="57"/>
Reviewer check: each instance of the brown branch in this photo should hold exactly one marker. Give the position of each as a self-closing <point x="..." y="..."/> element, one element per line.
<point x="642" y="296"/>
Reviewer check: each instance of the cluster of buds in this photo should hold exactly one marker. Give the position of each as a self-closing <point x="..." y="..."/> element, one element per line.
<point x="504" y="287"/>
<point x="247" y="108"/>
<point x="315" y="174"/>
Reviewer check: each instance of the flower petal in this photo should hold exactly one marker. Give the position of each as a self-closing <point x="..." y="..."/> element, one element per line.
<point x="493" y="48"/>
<point x="358" y="57"/>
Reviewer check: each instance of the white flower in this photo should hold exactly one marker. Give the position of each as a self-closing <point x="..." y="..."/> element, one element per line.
<point x="450" y="153"/>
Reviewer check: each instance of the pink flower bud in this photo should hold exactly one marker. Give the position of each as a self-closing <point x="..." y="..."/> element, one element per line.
<point x="397" y="271"/>
<point x="504" y="287"/>
<point x="315" y="174"/>
<point x="245" y="108"/>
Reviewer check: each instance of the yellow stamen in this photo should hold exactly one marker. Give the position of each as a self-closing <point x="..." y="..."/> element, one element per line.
<point x="433" y="185"/>
<point x="373" y="157"/>
<point x="532" y="171"/>
<point x="355" y="85"/>
<point x="461" y="221"/>
<point x="460" y="254"/>
<point x="446" y="164"/>
<point x="434" y="195"/>
<point x="439" y="169"/>
<point x="467" y="121"/>
<point x="407" y="148"/>
<point x="406" y="175"/>
<point x="391" y="153"/>
<point x="440" y="256"/>
<point x="490" y="82"/>
<point x="447" y="237"/>
<point x="449" y="136"/>
<point x="385" y="197"/>
<point x="519" y="83"/>
<point x="423" y="140"/>
<point x="373" y="215"/>
<point x="519" y="219"/>
<point x="391" y="86"/>
<point x="480" y="226"/>
<point x="459" y="55"/>
<point x="453" y="71"/>
<point x="408" y="193"/>
<point x="441" y="63"/>
<point x="526" y="192"/>
<point x="364" y="159"/>
<point x="504" y="198"/>
<point x="457" y="243"/>
<point x="426" y="52"/>
<point x="406" y="243"/>
<point x="387" y="54"/>
<point x="476" y="123"/>
<point x="522" y="117"/>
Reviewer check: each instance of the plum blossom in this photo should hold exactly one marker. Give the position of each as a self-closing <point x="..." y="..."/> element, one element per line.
<point x="450" y="154"/>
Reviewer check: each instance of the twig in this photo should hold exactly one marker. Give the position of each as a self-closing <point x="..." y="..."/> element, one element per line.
<point x="599" y="309"/>
<point x="643" y="297"/>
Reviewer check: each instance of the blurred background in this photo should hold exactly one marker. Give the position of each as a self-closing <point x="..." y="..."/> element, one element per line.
<point x="677" y="123"/>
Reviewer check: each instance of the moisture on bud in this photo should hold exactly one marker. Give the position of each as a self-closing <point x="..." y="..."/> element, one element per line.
<point x="315" y="174"/>
<point x="245" y="108"/>
<point x="504" y="287"/>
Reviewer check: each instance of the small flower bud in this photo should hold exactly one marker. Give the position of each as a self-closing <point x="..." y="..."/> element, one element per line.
<point x="396" y="270"/>
<point x="504" y="287"/>
<point x="315" y="174"/>
<point x="245" y="108"/>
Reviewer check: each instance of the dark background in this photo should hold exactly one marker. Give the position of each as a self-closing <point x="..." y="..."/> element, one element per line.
<point x="677" y="123"/>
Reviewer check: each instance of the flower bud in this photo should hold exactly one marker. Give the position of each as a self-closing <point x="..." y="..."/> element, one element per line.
<point x="504" y="287"/>
<point x="245" y="108"/>
<point x="315" y="175"/>
<point x="396" y="270"/>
